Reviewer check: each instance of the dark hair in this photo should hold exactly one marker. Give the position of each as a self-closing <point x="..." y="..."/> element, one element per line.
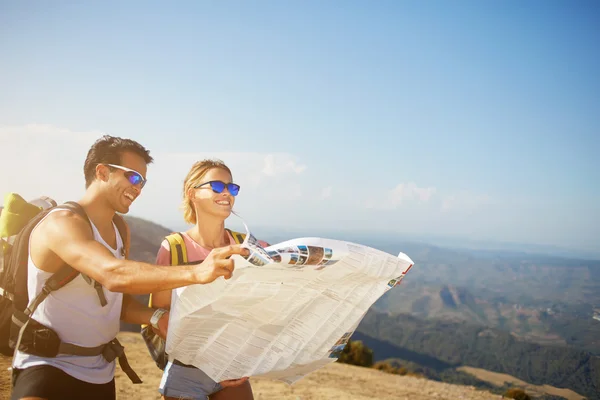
<point x="108" y="150"/>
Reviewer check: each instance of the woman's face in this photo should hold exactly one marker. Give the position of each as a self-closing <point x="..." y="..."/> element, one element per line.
<point x="207" y="201"/>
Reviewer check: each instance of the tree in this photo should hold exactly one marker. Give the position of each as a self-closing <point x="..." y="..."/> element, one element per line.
<point x="385" y="367"/>
<point x="517" y="394"/>
<point x="356" y="353"/>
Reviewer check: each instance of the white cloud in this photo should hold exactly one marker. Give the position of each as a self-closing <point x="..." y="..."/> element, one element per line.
<point x="410" y="191"/>
<point x="326" y="192"/>
<point x="45" y="160"/>
<point x="294" y="192"/>
<point x="403" y="191"/>
<point x="277" y="164"/>
<point x="41" y="159"/>
<point x="45" y="131"/>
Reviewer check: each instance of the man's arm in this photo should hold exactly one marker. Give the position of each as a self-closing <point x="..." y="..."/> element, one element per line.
<point x="69" y="237"/>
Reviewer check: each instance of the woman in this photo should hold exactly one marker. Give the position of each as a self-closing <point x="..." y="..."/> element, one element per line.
<point x="208" y="199"/>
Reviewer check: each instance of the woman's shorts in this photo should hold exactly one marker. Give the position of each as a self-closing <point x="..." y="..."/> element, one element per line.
<point x="186" y="382"/>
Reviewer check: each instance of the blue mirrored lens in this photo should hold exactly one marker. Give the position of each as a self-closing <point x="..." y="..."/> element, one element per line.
<point x="233" y="188"/>
<point x="134" y="178"/>
<point x="217" y="186"/>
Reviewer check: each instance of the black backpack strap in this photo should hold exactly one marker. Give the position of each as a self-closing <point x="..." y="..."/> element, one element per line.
<point x="59" y="279"/>
<point x="113" y="350"/>
<point x="7" y="294"/>
<point x="110" y="351"/>
<point x="125" y="234"/>
<point x="98" y="287"/>
<point x="78" y="209"/>
<point x="21" y="249"/>
<point x="125" y="238"/>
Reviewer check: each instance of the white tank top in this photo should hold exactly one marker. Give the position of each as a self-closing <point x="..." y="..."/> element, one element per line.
<point x="75" y="313"/>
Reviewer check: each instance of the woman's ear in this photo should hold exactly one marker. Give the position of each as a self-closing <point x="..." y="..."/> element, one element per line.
<point x="191" y="194"/>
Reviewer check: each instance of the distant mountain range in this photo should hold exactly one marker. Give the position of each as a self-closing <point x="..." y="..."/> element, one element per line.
<point x="559" y="324"/>
<point x="442" y="346"/>
<point x="461" y="244"/>
<point x="541" y="298"/>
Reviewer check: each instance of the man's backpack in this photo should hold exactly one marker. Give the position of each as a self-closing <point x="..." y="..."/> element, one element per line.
<point x="17" y="329"/>
<point x="156" y="344"/>
<point x="14" y="216"/>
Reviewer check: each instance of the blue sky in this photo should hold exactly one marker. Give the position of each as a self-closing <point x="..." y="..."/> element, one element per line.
<point x="465" y="119"/>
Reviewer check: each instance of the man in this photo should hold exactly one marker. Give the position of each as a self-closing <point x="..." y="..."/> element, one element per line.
<point x="86" y="314"/>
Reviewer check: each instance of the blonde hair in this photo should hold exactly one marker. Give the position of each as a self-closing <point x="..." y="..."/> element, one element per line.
<point x="197" y="172"/>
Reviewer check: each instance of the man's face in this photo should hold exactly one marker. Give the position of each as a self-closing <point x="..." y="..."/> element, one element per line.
<point x="122" y="189"/>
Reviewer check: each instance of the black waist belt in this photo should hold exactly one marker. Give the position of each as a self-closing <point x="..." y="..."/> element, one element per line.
<point x="177" y="362"/>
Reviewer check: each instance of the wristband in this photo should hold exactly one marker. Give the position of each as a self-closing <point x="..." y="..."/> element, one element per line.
<point x="156" y="317"/>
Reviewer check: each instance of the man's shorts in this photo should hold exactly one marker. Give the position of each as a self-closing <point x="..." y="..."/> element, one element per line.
<point x="186" y="382"/>
<point x="53" y="384"/>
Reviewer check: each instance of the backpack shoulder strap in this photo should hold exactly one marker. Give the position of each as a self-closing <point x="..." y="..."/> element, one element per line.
<point x="73" y="206"/>
<point x="237" y="236"/>
<point x="13" y="277"/>
<point x="59" y="279"/>
<point x="78" y="209"/>
<point x="118" y="219"/>
<point x="16" y="269"/>
<point x="124" y="232"/>
<point x="178" y="253"/>
<point x="178" y="250"/>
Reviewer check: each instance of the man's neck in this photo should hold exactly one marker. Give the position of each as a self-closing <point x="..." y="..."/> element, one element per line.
<point x="210" y="233"/>
<point x="97" y="208"/>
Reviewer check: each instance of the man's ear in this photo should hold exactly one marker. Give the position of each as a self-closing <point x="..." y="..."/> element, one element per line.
<point x="102" y="172"/>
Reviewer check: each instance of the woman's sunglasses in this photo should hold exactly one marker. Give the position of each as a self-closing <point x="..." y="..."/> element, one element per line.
<point x="134" y="177"/>
<point x="219" y="186"/>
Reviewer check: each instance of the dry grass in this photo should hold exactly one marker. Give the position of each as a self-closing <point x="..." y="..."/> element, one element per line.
<point x="4" y="377"/>
<point x="336" y="381"/>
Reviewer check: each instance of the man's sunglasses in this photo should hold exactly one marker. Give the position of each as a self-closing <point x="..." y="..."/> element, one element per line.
<point x="219" y="186"/>
<point x="134" y="177"/>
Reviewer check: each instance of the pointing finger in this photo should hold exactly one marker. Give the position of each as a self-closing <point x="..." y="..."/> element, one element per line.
<point x="235" y="249"/>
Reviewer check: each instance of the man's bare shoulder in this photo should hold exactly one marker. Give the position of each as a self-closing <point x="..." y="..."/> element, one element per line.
<point x="63" y="222"/>
<point x="58" y="228"/>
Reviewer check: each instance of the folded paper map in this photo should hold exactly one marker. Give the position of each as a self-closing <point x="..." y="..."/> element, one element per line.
<point x="288" y="310"/>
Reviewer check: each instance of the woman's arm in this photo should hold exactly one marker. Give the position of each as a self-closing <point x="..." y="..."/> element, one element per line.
<point x="162" y="299"/>
<point x="134" y="312"/>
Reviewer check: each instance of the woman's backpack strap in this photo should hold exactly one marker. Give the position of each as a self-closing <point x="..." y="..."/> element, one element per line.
<point x="237" y="236"/>
<point x="177" y="247"/>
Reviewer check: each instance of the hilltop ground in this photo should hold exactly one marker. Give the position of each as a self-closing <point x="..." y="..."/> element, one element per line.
<point x="336" y="381"/>
<point x="499" y="379"/>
